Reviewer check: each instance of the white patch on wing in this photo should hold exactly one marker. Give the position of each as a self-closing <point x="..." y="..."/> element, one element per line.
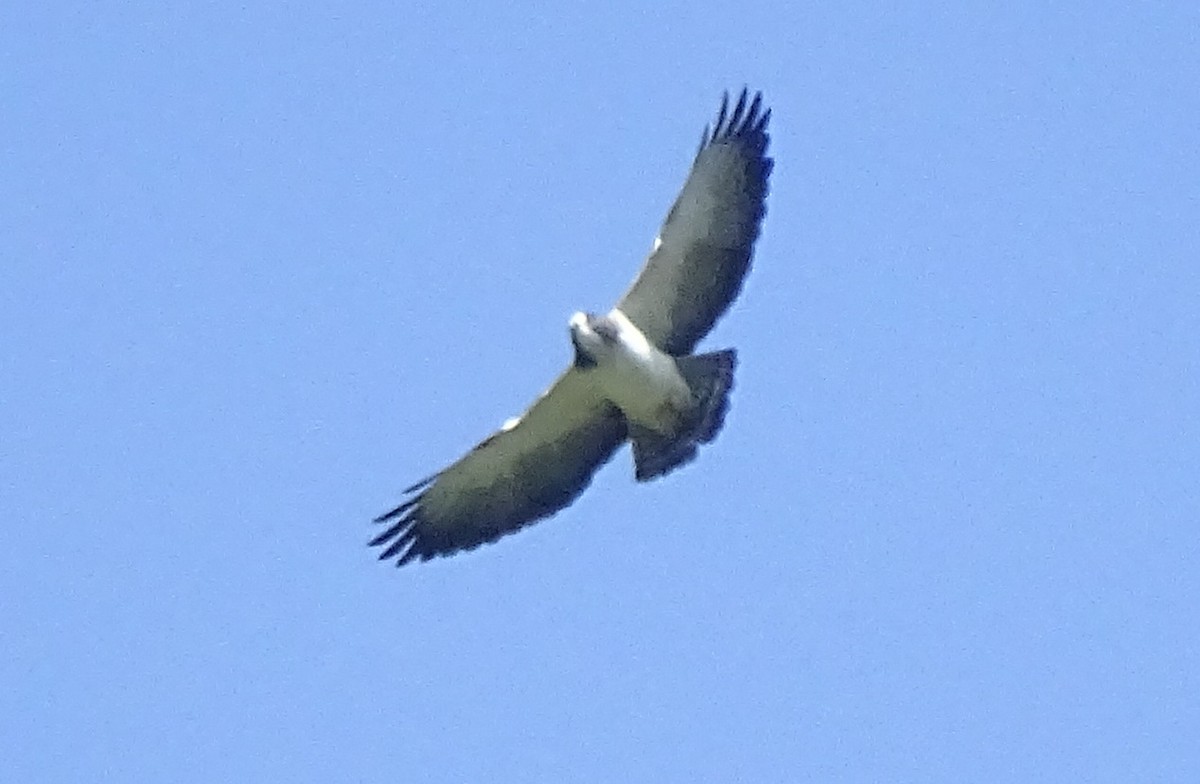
<point x="510" y="423"/>
<point x="657" y="244"/>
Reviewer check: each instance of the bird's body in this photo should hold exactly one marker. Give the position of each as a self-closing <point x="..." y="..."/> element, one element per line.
<point x="634" y="377"/>
<point x="631" y="373"/>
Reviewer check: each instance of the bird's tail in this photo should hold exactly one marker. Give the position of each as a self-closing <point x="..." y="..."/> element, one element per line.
<point x="710" y="377"/>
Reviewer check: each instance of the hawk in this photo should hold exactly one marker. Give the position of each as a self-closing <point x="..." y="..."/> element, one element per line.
<point x="634" y="377"/>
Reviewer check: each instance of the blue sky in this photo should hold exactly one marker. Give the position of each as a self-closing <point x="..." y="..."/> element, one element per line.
<point x="263" y="266"/>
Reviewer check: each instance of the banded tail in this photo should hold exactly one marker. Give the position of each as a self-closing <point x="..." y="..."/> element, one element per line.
<point x="710" y="377"/>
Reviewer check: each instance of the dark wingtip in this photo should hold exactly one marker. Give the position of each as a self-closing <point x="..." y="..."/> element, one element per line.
<point x="748" y="120"/>
<point x="401" y="538"/>
<point x="720" y="123"/>
<point x="399" y="510"/>
<point x="422" y="484"/>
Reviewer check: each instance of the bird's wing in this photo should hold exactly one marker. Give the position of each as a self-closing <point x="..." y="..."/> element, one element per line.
<point x="703" y="250"/>
<point x="528" y="470"/>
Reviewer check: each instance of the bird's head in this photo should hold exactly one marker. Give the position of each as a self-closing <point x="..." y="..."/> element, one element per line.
<point x="594" y="337"/>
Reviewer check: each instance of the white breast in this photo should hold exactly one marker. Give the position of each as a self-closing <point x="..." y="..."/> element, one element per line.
<point x="643" y="381"/>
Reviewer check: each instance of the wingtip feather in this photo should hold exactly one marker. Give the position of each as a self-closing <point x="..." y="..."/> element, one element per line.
<point x="746" y="119"/>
